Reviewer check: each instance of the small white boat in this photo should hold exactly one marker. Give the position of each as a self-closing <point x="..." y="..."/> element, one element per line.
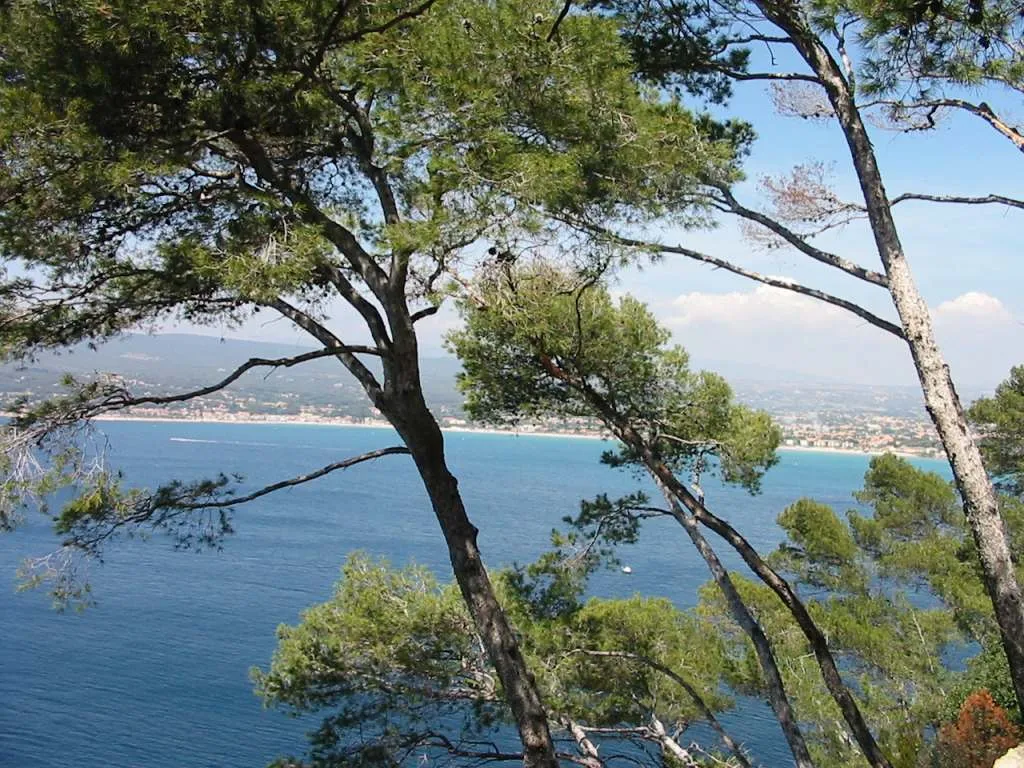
<point x="626" y="569"/>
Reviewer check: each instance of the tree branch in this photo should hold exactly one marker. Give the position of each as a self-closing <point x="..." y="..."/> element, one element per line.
<point x="986" y="200"/>
<point x="330" y="341"/>
<point x="588" y="750"/>
<point x="742" y="76"/>
<point x="374" y="322"/>
<point x="671" y="746"/>
<point x="166" y="509"/>
<point x="394" y="21"/>
<point x="121" y="401"/>
<point x="425" y="312"/>
<point x="982" y="110"/>
<point x="692" y="692"/>
<point x="679" y="497"/>
<point x="799" y="242"/>
<point x="780" y="39"/>
<point x="561" y="16"/>
<point x="364" y="143"/>
<point x="298" y="480"/>
<point x="341" y="237"/>
<point x="776" y="282"/>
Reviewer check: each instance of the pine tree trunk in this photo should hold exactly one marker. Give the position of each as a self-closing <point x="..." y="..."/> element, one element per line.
<point x="774" y="684"/>
<point x="404" y="406"/>
<point x="943" y="404"/>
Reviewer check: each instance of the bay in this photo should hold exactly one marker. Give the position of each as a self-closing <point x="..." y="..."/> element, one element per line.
<point x="156" y="675"/>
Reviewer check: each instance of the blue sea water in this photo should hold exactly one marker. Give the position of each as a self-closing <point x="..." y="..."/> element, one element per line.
<point x="156" y="675"/>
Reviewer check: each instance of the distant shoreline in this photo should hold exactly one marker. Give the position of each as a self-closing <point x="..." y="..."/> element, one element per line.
<point x="853" y="451"/>
<point x="373" y="424"/>
<point x="354" y="424"/>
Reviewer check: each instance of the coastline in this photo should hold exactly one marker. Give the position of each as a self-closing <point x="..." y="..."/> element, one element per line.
<point x="852" y="451"/>
<point x="372" y="424"/>
<point x="459" y="429"/>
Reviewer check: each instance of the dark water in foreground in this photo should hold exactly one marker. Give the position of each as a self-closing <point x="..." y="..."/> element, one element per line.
<point x="156" y="676"/>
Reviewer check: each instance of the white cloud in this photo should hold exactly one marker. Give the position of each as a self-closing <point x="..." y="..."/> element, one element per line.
<point x="975" y="306"/>
<point x="749" y="309"/>
<point x="781" y="333"/>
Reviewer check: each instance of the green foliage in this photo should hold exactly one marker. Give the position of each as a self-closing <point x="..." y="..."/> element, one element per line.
<point x="394" y="662"/>
<point x="908" y="503"/>
<point x="390" y="638"/>
<point x="553" y="585"/>
<point x="544" y="339"/>
<point x="607" y="691"/>
<point x="202" y="160"/>
<point x="934" y="45"/>
<point x="1000" y="420"/>
<point x="820" y="548"/>
<point x="683" y="46"/>
<point x="859" y="578"/>
<point x="392" y="654"/>
<point x="160" y="157"/>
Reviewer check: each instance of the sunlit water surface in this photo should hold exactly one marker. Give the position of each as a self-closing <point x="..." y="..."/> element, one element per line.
<point x="156" y="675"/>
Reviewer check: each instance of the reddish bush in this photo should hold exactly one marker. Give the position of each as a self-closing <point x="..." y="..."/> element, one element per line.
<point x="982" y="734"/>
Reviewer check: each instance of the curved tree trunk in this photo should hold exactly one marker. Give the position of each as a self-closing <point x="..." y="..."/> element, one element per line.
<point x="777" y="696"/>
<point x="666" y="482"/>
<point x="403" y="404"/>
<point x="675" y="490"/>
<point x="943" y="404"/>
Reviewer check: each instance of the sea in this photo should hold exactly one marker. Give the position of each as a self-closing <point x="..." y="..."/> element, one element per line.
<point x="156" y="674"/>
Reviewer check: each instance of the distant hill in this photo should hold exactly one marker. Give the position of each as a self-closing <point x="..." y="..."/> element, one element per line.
<point x="162" y="363"/>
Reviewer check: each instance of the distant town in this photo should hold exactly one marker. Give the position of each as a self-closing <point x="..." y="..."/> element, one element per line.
<point x="812" y="415"/>
<point x="857" y="432"/>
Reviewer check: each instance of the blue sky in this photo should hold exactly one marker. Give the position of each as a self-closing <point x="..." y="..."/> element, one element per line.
<point x="968" y="262"/>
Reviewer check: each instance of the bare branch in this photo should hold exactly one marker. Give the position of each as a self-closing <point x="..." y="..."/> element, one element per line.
<point x="166" y="509"/>
<point x="490" y="755"/>
<point x="851" y="77"/>
<point x="121" y="400"/>
<point x="986" y="200"/>
<point x="920" y="115"/>
<point x="775" y="76"/>
<point x="806" y="101"/>
<point x="587" y="748"/>
<point x="561" y="16"/>
<point x="299" y="480"/>
<point x="777" y="282"/>
<point x="394" y="21"/>
<point x="692" y="692"/>
<point x="425" y="312"/>
<point x="330" y="341"/>
<point x="671" y="746"/>
<point x="779" y="39"/>
<point x="372" y="318"/>
<point x="800" y="242"/>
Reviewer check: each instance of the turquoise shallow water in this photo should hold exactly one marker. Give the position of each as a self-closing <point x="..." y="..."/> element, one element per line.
<point x="156" y="676"/>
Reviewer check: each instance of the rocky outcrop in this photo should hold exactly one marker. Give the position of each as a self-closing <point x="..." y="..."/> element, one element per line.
<point x="1012" y="759"/>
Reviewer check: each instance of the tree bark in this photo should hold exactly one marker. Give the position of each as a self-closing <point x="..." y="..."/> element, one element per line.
<point x="815" y="638"/>
<point x="941" y="400"/>
<point x="587" y="749"/>
<point x="671" y="746"/>
<point x="674" y="490"/>
<point x="403" y="404"/>
<point x="776" y="688"/>
<point x="777" y="696"/>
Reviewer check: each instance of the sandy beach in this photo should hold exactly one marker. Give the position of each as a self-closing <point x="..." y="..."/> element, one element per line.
<point x="852" y="451"/>
<point x="371" y="424"/>
<point x="380" y="424"/>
